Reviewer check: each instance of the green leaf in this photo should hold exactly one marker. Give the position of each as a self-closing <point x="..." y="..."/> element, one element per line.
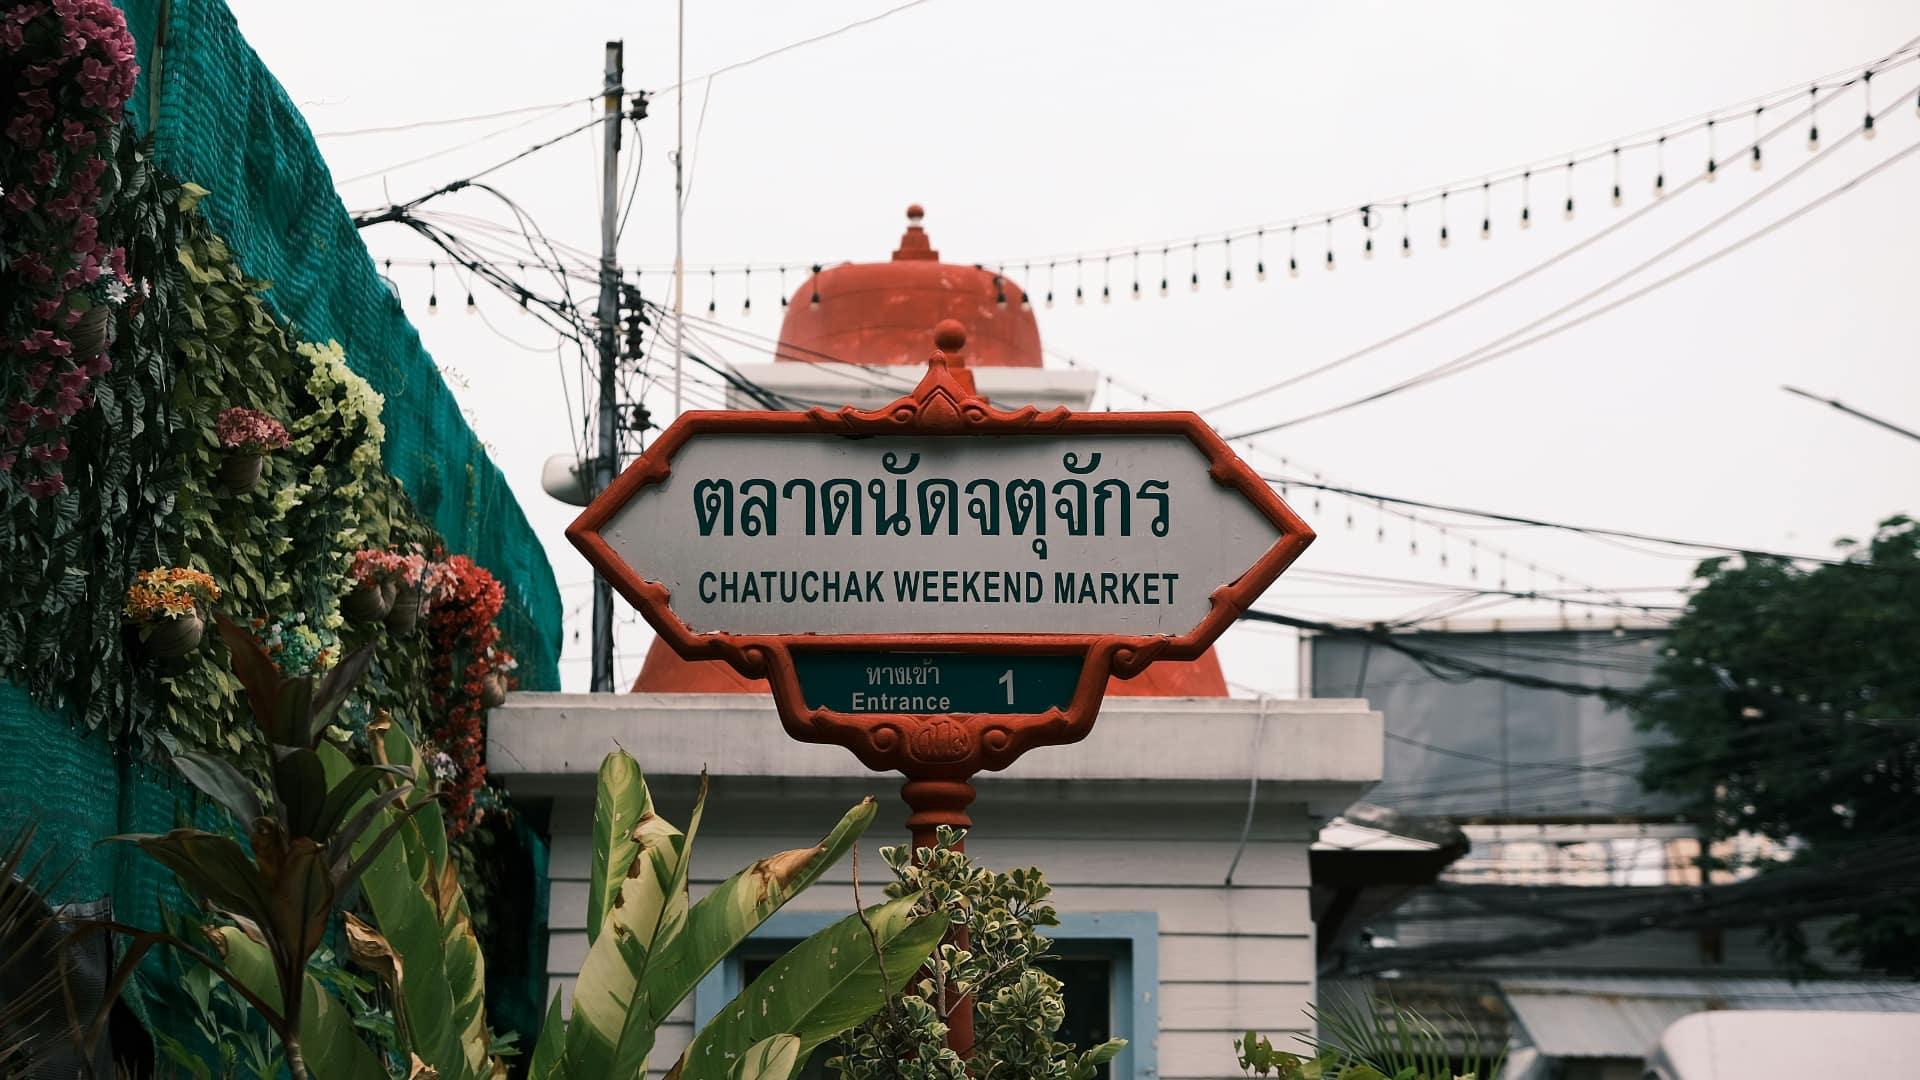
<point x="327" y="1038"/>
<point x="724" y="917"/>
<point x="826" y="985"/>
<point x="222" y="783"/>
<point x="774" y="1058"/>
<point x="623" y="823"/>
<point x="553" y="1039"/>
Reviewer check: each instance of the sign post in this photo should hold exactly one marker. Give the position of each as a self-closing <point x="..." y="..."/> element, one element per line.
<point x="939" y="585"/>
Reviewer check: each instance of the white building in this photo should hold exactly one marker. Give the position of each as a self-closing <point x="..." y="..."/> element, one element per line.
<point x="1176" y="835"/>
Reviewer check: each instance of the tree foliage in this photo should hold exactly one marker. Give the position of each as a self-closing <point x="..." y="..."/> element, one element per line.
<point x="1790" y="696"/>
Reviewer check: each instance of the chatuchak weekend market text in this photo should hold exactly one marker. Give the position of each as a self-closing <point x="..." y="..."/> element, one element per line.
<point x="935" y="587"/>
<point x="928" y="507"/>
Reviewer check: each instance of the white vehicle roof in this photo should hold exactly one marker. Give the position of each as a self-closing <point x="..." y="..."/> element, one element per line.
<point x="1764" y="1044"/>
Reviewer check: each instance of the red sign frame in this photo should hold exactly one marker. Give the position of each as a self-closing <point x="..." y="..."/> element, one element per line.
<point x="952" y="747"/>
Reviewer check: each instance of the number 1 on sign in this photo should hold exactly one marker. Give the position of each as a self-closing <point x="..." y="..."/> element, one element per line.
<point x="1008" y="680"/>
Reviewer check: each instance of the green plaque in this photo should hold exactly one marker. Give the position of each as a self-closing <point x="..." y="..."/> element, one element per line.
<point x="935" y="684"/>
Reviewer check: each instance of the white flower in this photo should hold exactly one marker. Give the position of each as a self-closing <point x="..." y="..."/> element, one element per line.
<point x="116" y="292"/>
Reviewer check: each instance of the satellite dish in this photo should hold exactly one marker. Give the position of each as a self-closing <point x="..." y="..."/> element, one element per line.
<point x="564" y="477"/>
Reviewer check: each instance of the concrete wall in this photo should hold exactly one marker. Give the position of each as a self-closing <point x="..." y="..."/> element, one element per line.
<point x="1141" y="819"/>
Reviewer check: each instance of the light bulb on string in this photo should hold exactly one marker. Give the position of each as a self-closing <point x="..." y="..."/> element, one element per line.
<point x="1380" y="522"/>
<point x="1406" y="238"/>
<point x="1756" y="137"/>
<point x="1526" y="199"/>
<point x="1227" y="257"/>
<point x="783" y="286"/>
<point x="1136" y="273"/>
<point x="1813" y="117"/>
<point x="1293" y="251"/>
<point x="433" y="289"/>
<point x="472" y="308"/>
<point x="1193" y="268"/>
<point x="1866" y="93"/>
<point x="1713" y="165"/>
<point x="713" y="288"/>
<point x="1026" y="298"/>
<point x="1616" y="176"/>
<point x="1660" y="166"/>
<point x="1050" y="268"/>
<point x="1473" y="560"/>
<point x="1366" y="227"/>
<point x="1569" y="189"/>
<point x="1329" y="228"/>
<point x="1163" y="273"/>
<point x="746" y="286"/>
<point x="999" y="292"/>
<point x="813" y="304"/>
<point x="1443" y="548"/>
<point x="1486" y="209"/>
<point x="1413" y="538"/>
<point x="1260" y="255"/>
<point x="1079" y="281"/>
<point x="1106" y="280"/>
<point x="1444" y="239"/>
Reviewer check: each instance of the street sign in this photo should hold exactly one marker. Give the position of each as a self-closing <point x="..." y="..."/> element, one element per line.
<point x="936" y="684"/>
<point x="891" y="571"/>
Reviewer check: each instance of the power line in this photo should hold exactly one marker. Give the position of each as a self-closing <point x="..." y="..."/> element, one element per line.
<point x="1487" y="353"/>
<point x="446" y="121"/>
<point x="1850" y="411"/>
<point x="1541" y="523"/>
<point x="1367" y="210"/>
<point x="791" y="46"/>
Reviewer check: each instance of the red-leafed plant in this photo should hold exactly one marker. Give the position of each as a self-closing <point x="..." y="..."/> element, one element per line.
<point x="463" y="648"/>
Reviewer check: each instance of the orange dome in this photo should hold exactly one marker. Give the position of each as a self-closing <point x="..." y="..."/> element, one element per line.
<point x="884" y="312"/>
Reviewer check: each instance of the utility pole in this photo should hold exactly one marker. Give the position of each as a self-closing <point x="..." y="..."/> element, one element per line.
<point x="607" y="460"/>
<point x="679" y="207"/>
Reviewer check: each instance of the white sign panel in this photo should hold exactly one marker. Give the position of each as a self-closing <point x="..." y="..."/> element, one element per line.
<point x="790" y="534"/>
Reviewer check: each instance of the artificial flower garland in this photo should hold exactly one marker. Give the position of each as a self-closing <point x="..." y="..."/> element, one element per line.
<point x="70" y="69"/>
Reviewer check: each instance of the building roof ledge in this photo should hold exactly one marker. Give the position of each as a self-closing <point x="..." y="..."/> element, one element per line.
<point x="1324" y="751"/>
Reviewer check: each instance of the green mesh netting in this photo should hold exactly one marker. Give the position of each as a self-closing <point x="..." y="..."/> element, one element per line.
<point x="76" y="788"/>
<point x="222" y="121"/>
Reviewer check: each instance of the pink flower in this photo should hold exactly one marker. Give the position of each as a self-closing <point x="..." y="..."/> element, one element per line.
<point x="99" y="365"/>
<point x="77" y="135"/>
<point x="25" y="130"/>
<point x="52" y="485"/>
<point x="21" y="412"/>
<point x="249" y="431"/>
<point x="20" y="199"/>
<point x="7" y="459"/>
<point x="45" y="168"/>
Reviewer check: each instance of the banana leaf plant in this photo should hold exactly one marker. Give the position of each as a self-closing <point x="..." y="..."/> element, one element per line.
<point x="310" y="839"/>
<point x="649" y="946"/>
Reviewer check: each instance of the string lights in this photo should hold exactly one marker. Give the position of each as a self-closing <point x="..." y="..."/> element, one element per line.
<point x="1702" y="133"/>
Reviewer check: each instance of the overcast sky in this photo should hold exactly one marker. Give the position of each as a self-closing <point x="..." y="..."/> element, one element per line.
<point x="1029" y="128"/>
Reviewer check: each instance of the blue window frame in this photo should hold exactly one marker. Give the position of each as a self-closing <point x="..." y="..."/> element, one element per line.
<point x="1130" y="939"/>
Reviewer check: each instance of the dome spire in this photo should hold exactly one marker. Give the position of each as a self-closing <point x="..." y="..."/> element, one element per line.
<point x="914" y="244"/>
